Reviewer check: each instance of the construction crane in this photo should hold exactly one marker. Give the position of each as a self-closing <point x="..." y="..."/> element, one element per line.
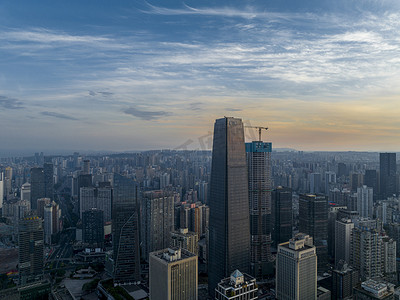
<point x="259" y="130"/>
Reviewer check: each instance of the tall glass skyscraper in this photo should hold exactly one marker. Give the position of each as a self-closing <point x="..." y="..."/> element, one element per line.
<point x="259" y="176"/>
<point x="229" y="228"/>
<point x="387" y="174"/>
<point x="125" y="230"/>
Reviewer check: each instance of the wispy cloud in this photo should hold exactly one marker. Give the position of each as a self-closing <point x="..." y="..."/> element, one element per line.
<point x="58" y="115"/>
<point x="10" y="103"/>
<point x="146" y="114"/>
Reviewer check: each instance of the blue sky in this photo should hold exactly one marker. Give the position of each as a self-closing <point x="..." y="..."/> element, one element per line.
<point x="133" y="75"/>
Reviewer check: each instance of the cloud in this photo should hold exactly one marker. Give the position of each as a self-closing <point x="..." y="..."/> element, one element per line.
<point x="146" y="115"/>
<point x="104" y="94"/>
<point x="58" y="115"/>
<point x="10" y="103"/>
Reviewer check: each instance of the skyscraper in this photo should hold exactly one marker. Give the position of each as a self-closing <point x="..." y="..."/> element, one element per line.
<point x="387" y="174"/>
<point x="371" y="180"/>
<point x="48" y="174"/>
<point x="313" y="220"/>
<point x="259" y="174"/>
<point x="125" y="231"/>
<point x="365" y="201"/>
<point x="157" y="219"/>
<point x="296" y="269"/>
<point x="282" y="215"/>
<point x="315" y="183"/>
<point x="30" y="251"/>
<point x="37" y="186"/>
<point x="93" y="227"/>
<point x="173" y="274"/>
<point x="343" y="229"/>
<point x="229" y="232"/>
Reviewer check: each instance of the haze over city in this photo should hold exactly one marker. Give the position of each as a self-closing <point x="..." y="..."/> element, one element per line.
<point x="137" y="75"/>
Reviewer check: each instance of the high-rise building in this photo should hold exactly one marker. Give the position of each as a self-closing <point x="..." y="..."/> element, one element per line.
<point x="344" y="278"/>
<point x="229" y="230"/>
<point x="313" y="220"/>
<point x="48" y="223"/>
<point x="315" y="183"/>
<point x="100" y="198"/>
<point x="185" y="239"/>
<point x="332" y="217"/>
<point x="343" y="230"/>
<point x="330" y="180"/>
<point x="125" y="230"/>
<point x="40" y="205"/>
<point x="157" y="214"/>
<point x="25" y="191"/>
<point x="238" y="286"/>
<point x="48" y="174"/>
<point x="86" y="167"/>
<point x="365" y="202"/>
<point x="173" y="275"/>
<point x="259" y="175"/>
<point x="282" y="215"/>
<point x="296" y="269"/>
<point x="37" y="186"/>
<point x="372" y="253"/>
<point x="2" y="189"/>
<point x="371" y="180"/>
<point x="93" y="227"/>
<point x="387" y="174"/>
<point x="30" y="251"/>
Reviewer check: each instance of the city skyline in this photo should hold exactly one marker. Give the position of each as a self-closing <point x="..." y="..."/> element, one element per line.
<point x="143" y="75"/>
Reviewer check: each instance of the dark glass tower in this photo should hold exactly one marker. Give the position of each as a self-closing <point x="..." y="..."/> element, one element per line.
<point x="229" y="228"/>
<point x="387" y="168"/>
<point x="313" y="220"/>
<point x="93" y="227"/>
<point x="37" y="186"/>
<point x="125" y="230"/>
<point x="30" y="251"/>
<point x="259" y="174"/>
<point x="48" y="174"/>
<point x="282" y="215"/>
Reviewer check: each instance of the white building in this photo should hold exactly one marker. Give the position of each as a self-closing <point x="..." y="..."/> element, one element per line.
<point x="365" y="201"/>
<point x="296" y="269"/>
<point x="238" y="286"/>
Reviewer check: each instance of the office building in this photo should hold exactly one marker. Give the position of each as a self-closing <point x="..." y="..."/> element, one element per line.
<point x="37" y="186"/>
<point x="343" y="230"/>
<point x="93" y="228"/>
<point x="238" y="286"/>
<point x="344" y="278"/>
<point x="315" y="183"/>
<point x="229" y="229"/>
<point x="258" y="156"/>
<point x="371" y="180"/>
<point x="296" y="269"/>
<point x="30" y="250"/>
<point x="125" y="230"/>
<point x="372" y="290"/>
<point x="48" y="223"/>
<point x="365" y="202"/>
<point x="25" y="191"/>
<point x="41" y="203"/>
<point x="330" y="181"/>
<point x="48" y="174"/>
<point x="157" y="214"/>
<point x="332" y="217"/>
<point x="2" y="189"/>
<point x="387" y="174"/>
<point x="173" y="275"/>
<point x="185" y="239"/>
<point x="313" y="220"/>
<point x="282" y="215"/>
<point x="86" y="167"/>
<point x="99" y="198"/>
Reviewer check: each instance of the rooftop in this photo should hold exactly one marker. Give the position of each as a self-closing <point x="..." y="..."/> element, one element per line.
<point x="172" y="254"/>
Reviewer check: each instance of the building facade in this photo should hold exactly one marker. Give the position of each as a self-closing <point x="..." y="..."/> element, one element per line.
<point x="173" y="275"/>
<point x="229" y="228"/>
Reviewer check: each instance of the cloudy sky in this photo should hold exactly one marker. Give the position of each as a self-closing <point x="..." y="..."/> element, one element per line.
<point x="134" y="75"/>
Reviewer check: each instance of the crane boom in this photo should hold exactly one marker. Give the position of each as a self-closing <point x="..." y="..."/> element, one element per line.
<point x="259" y="130"/>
